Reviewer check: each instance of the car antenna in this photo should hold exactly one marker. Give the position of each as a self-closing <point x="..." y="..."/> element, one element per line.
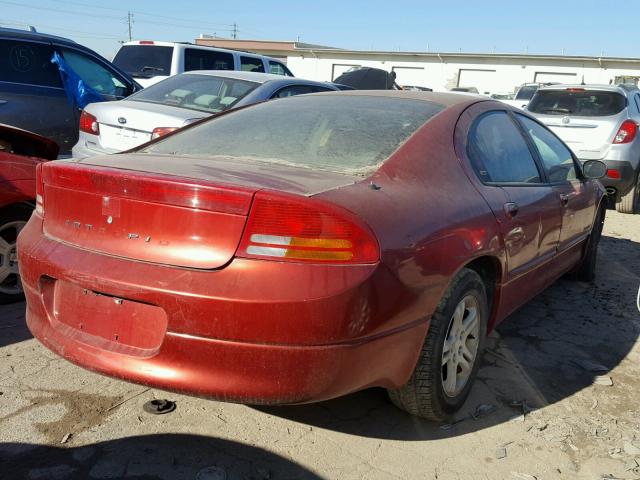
<point x="582" y="83"/>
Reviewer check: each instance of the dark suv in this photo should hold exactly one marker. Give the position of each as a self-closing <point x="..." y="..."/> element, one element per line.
<point x="32" y="94"/>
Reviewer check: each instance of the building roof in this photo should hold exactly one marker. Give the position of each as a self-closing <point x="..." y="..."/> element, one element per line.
<point x="289" y="47"/>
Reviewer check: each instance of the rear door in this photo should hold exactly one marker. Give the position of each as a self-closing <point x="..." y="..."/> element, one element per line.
<point x="526" y="207"/>
<point x="574" y="194"/>
<point x="31" y="93"/>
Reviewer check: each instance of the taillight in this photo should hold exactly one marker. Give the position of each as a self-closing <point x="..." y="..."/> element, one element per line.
<point x="39" y="191"/>
<point x="627" y="132"/>
<point x="89" y="124"/>
<point x="160" y="131"/>
<point x="613" y="173"/>
<point x="290" y="228"/>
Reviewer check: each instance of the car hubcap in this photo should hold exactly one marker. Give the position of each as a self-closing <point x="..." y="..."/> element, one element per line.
<point x="9" y="274"/>
<point x="460" y="346"/>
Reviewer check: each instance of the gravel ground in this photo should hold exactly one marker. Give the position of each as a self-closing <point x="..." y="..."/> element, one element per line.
<point x="557" y="398"/>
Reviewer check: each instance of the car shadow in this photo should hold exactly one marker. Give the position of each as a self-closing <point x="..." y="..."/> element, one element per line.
<point x="158" y="456"/>
<point x="13" y="328"/>
<point x="560" y="343"/>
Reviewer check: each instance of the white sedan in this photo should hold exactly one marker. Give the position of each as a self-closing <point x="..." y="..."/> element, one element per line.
<point x="111" y="127"/>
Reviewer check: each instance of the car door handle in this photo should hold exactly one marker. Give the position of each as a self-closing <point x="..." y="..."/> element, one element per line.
<point x="2" y="102"/>
<point x="511" y="209"/>
<point x="565" y="197"/>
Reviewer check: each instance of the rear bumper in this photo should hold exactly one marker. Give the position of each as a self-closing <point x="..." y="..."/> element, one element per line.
<point x="619" y="186"/>
<point x="249" y="333"/>
<point x="82" y="150"/>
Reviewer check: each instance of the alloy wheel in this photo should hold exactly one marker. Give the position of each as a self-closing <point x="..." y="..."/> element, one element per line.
<point x="10" y="283"/>
<point x="460" y="349"/>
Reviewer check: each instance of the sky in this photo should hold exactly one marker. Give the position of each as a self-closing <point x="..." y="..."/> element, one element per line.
<point x="570" y="27"/>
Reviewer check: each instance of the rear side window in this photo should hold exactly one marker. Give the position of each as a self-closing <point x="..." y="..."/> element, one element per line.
<point x="28" y="63"/>
<point x="498" y="151"/>
<point x="278" y="68"/>
<point x="583" y="103"/>
<point x="251" y="64"/>
<point x="196" y="59"/>
<point x="144" y="61"/>
<point x="340" y="133"/>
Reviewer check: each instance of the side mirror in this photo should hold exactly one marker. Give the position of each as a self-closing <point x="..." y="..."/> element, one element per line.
<point x="594" y="169"/>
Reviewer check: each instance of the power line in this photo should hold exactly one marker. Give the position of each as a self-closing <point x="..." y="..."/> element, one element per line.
<point x="166" y="17"/>
<point x="70" y="12"/>
<point x="17" y="23"/>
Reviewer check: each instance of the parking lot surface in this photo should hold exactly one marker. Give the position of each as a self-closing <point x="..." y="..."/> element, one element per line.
<point x="557" y="398"/>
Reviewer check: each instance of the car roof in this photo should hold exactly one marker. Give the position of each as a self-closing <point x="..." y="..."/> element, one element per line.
<point x="622" y="89"/>
<point x="444" y="99"/>
<point x="152" y="43"/>
<point x="35" y="36"/>
<point x="237" y="75"/>
<point x="257" y="77"/>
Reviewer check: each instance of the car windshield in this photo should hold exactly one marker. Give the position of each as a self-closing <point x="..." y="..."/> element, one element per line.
<point x="341" y="133"/>
<point x="526" y="92"/>
<point x="144" y="61"/>
<point x="580" y="102"/>
<point x="205" y="93"/>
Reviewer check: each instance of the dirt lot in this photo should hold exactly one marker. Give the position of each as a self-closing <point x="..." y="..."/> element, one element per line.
<point x="557" y="398"/>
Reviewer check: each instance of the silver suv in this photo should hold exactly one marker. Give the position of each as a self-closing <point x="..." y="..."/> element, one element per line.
<point x="598" y="122"/>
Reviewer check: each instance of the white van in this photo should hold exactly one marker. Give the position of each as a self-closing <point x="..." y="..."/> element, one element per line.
<point x="149" y="61"/>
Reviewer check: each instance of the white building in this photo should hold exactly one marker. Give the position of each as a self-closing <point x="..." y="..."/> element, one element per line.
<point x="495" y="72"/>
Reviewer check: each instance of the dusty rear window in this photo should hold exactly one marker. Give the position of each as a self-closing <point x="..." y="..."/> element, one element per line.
<point x="348" y="134"/>
<point x="584" y="103"/>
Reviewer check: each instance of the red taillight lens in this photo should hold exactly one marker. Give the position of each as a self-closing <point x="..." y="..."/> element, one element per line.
<point x="146" y="42"/>
<point x="612" y="173"/>
<point x="89" y="124"/>
<point x="160" y="131"/>
<point x="39" y="191"/>
<point x="290" y="228"/>
<point x="626" y="133"/>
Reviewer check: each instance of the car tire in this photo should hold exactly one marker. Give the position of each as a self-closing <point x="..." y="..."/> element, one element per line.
<point x="12" y="219"/>
<point x="431" y="393"/>
<point x="586" y="271"/>
<point x="630" y="203"/>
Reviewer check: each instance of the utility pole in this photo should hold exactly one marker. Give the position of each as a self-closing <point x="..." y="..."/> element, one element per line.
<point x="130" y="22"/>
<point x="234" y="33"/>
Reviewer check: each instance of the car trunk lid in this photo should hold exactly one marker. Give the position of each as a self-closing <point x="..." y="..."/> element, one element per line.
<point x="126" y="124"/>
<point x="143" y="216"/>
<point x="589" y="138"/>
<point x="177" y="211"/>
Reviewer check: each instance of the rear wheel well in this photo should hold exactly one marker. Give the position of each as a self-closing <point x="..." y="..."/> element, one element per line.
<point x="490" y="271"/>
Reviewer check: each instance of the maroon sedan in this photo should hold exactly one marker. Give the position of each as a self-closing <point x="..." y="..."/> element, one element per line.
<point x="20" y="152"/>
<point x="302" y="249"/>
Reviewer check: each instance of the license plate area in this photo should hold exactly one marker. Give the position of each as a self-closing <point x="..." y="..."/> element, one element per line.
<point x="120" y="137"/>
<point x="104" y="321"/>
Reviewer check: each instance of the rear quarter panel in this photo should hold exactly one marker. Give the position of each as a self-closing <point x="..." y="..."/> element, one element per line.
<point x="428" y="218"/>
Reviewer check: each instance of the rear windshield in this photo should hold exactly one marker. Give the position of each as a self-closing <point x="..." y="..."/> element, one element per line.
<point x="144" y="61"/>
<point x="341" y="133"/>
<point x="205" y="93"/>
<point x="586" y="103"/>
<point x="526" y="92"/>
